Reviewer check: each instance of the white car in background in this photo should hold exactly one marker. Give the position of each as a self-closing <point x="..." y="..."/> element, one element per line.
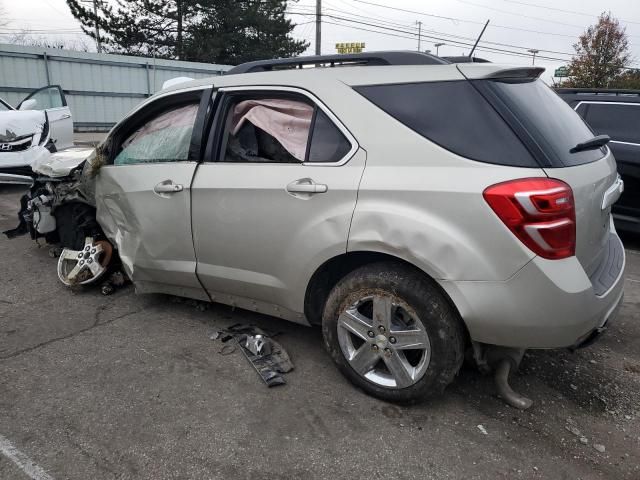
<point x="41" y="125"/>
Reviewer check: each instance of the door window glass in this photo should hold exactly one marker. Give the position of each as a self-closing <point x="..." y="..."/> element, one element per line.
<point x="47" y="98"/>
<point x="268" y="130"/>
<point x="164" y="138"/>
<point x="281" y="130"/>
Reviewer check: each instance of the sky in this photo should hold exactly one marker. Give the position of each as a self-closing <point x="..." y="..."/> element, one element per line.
<point x="552" y="27"/>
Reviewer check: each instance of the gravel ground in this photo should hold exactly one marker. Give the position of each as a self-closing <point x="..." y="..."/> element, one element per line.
<point x="130" y="386"/>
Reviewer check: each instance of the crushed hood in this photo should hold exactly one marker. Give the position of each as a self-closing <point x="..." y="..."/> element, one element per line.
<point x="61" y="163"/>
<point x="15" y="124"/>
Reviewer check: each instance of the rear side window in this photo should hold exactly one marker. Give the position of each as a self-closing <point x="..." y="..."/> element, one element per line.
<point x="619" y="121"/>
<point x="328" y="144"/>
<point x="455" y="116"/>
<point x="549" y="120"/>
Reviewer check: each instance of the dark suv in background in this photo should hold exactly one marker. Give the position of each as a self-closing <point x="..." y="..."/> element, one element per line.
<point x="615" y="113"/>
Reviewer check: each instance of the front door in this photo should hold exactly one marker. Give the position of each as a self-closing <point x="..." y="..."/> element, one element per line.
<point x="275" y="202"/>
<point x="143" y="196"/>
<point x="51" y="99"/>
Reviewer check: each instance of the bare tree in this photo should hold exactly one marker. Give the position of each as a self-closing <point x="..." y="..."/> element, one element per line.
<point x="25" y="37"/>
<point x="602" y="52"/>
<point x="3" y="16"/>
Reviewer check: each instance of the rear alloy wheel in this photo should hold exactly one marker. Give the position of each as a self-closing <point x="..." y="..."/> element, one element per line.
<point x="393" y="333"/>
<point x="384" y="341"/>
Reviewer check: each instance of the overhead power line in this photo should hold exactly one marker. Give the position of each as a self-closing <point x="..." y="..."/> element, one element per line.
<point x="455" y="19"/>
<point x="439" y="36"/>
<point x="574" y="12"/>
<point x="414" y="36"/>
<point x="436" y="32"/>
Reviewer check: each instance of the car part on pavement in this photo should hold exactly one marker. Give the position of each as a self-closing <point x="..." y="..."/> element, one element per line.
<point x="258" y="345"/>
<point x="81" y="267"/>
<point x="266" y="355"/>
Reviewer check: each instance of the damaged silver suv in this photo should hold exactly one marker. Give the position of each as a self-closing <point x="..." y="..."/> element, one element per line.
<point x="414" y="208"/>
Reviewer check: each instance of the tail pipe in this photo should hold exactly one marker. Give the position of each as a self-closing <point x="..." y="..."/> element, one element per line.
<point x="502" y="372"/>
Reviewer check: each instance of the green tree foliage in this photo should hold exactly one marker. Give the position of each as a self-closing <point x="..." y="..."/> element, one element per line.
<point x="629" y="79"/>
<point x="602" y="52"/>
<point x="215" y="31"/>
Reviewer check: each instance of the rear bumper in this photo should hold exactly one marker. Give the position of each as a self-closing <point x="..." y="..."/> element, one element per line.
<point x="547" y="304"/>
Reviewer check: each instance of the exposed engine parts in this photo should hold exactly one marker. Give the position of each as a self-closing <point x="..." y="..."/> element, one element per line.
<point x="61" y="210"/>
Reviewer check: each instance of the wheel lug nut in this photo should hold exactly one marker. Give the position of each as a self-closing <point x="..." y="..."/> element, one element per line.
<point x="87" y="248"/>
<point x="374" y="348"/>
<point x="392" y="339"/>
<point x="93" y="251"/>
<point x="370" y="333"/>
<point x="89" y="260"/>
<point x="387" y="352"/>
<point x="381" y="329"/>
<point x="81" y="262"/>
<point x="80" y="255"/>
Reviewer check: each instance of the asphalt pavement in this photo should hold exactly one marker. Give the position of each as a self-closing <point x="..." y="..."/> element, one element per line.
<point x="131" y="386"/>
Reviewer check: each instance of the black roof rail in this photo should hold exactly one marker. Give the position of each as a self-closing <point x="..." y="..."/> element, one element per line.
<point x="466" y="59"/>
<point x="401" y="57"/>
<point x="596" y="91"/>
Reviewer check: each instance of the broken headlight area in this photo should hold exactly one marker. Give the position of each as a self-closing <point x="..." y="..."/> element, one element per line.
<point x="61" y="211"/>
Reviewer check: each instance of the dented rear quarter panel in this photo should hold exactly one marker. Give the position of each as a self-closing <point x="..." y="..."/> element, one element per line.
<point x="424" y="204"/>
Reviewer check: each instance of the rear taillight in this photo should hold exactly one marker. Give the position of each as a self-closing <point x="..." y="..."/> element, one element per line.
<point x="539" y="211"/>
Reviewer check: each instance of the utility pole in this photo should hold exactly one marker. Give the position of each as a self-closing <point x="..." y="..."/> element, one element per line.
<point x="438" y="45"/>
<point x="533" y="51"/>
<point x="95" y="22"/>
<point x="95" y="12"/>
<point x="318" y="27"/>
<point x="419" y="23"/>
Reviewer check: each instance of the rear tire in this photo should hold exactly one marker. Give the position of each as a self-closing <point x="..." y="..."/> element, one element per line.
<point x="392" y="333"/>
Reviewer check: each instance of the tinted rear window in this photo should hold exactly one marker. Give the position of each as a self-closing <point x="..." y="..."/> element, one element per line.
<point x="455" y="116"/>
<point x="619" y="121"/>
<point x="550" y="121"/>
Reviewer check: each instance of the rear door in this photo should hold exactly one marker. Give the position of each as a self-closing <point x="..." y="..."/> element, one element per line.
<point x="274" y="198"/>
<point x="51" y="99"/>
<point x="143" y="194"/>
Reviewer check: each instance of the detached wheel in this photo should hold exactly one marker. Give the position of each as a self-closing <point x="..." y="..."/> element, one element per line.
<point x="392" y="333"/>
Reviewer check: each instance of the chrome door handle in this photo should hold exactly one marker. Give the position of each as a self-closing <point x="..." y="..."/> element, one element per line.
<point x="306" y="185"/>
<point x="167" y="187"/>
<point x="65" y="116"/>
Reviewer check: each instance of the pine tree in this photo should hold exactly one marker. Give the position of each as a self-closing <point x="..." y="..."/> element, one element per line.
<point x="601" y="54"/>
<point x="214" y="31"/>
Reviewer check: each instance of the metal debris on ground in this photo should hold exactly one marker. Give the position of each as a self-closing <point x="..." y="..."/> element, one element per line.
<point x="266" y="355"/>
<point x="116" y="280"/>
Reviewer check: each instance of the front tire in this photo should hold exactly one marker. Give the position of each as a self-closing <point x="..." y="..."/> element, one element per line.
<point x="392" y="333"/>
